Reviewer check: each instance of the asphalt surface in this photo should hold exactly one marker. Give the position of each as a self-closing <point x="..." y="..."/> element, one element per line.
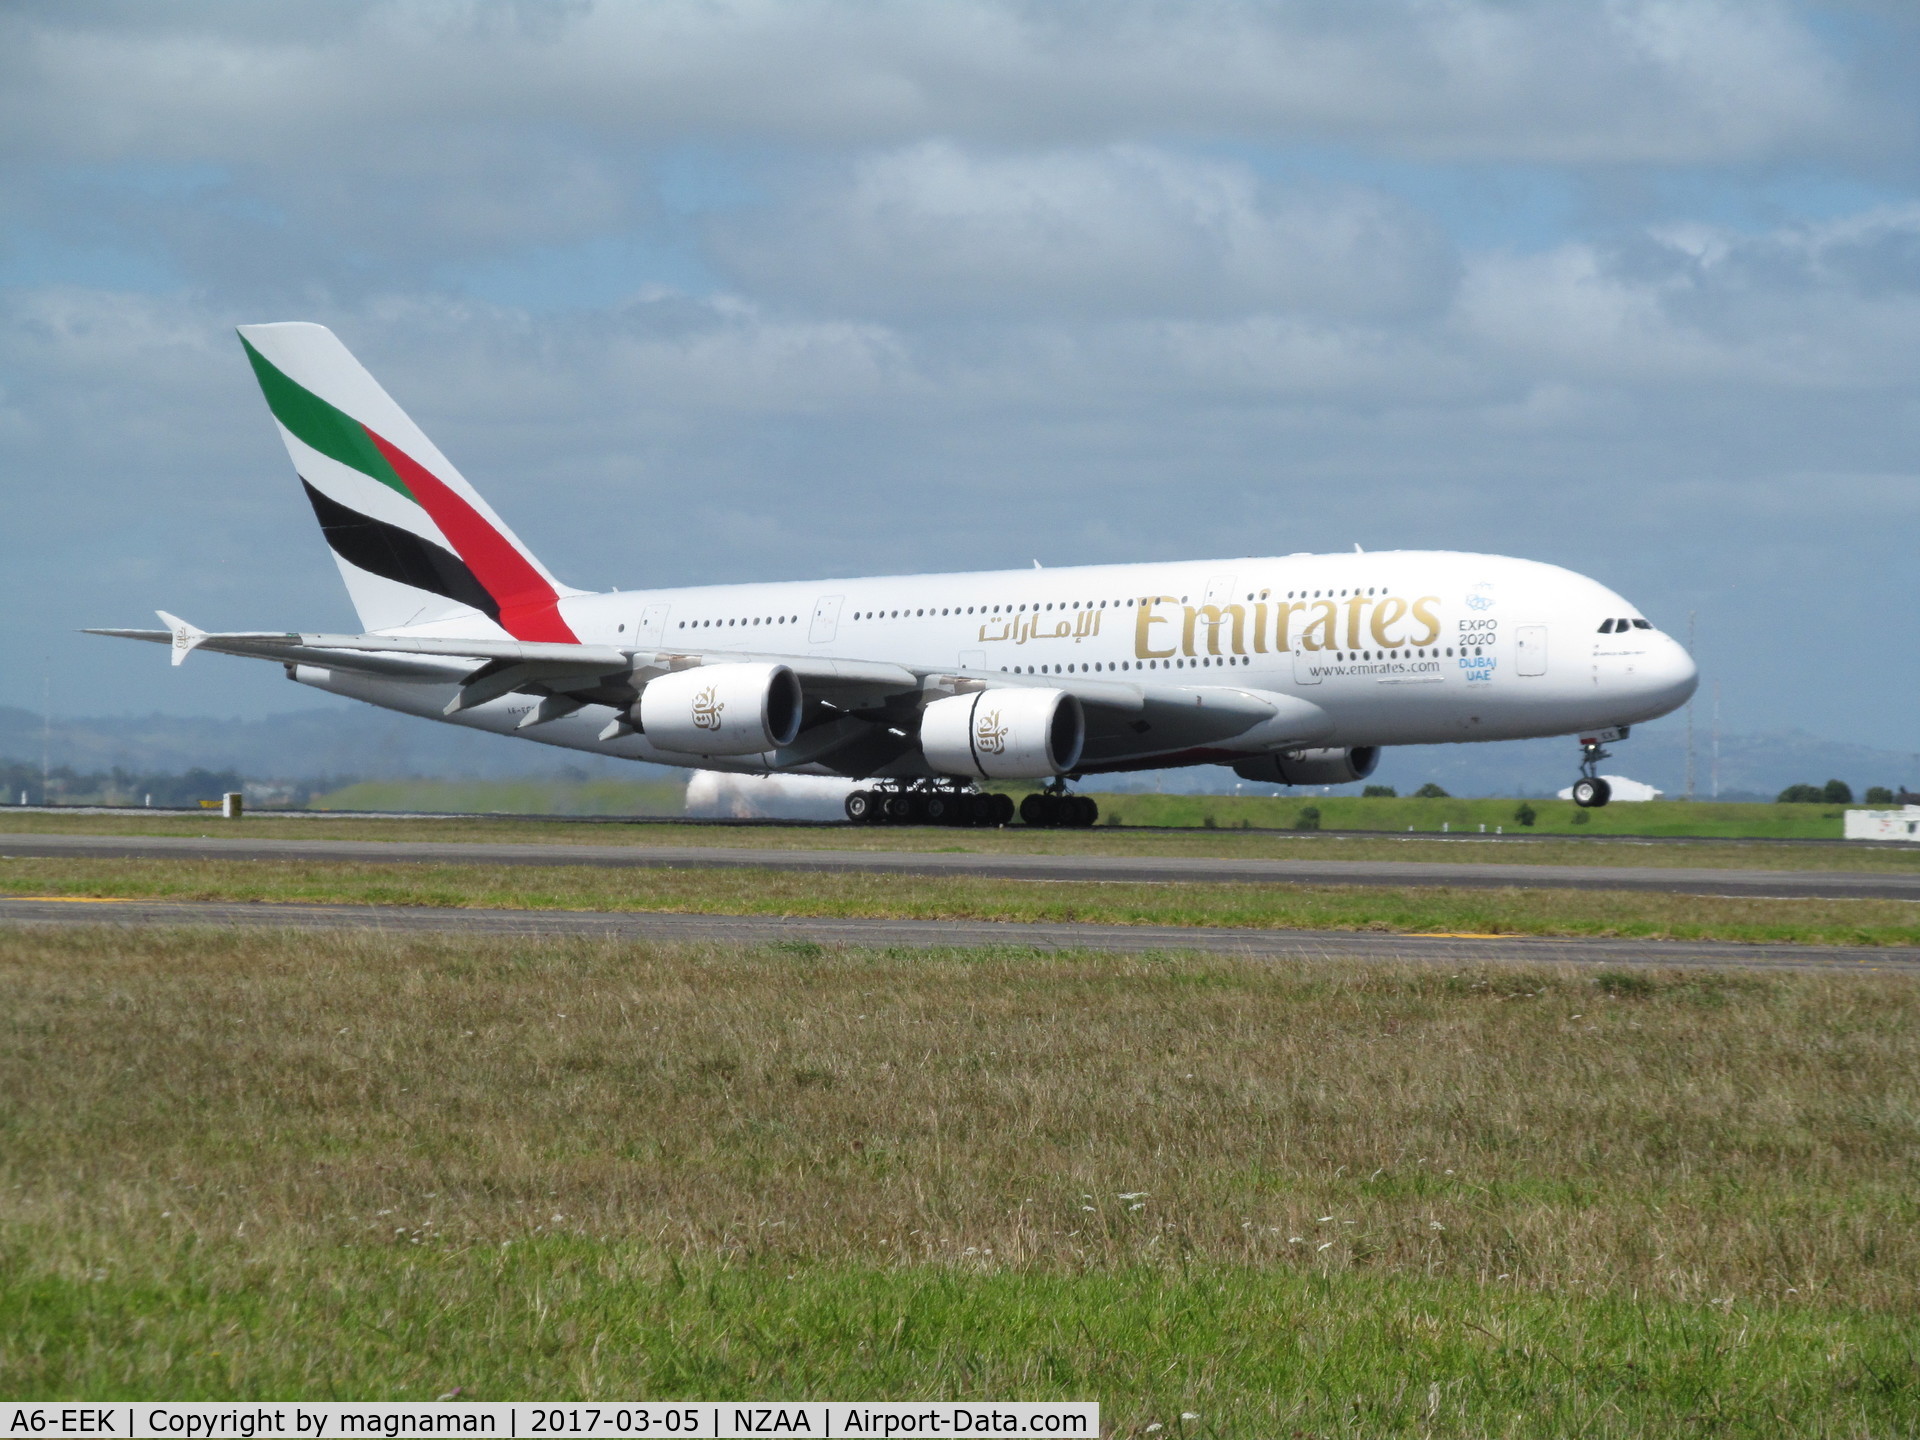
<point x="1780" y="884"/>
<point x="948" y="934"/>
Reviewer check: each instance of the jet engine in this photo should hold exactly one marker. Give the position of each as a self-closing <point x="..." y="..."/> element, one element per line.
<point x="1004" y="734"/>
<point x="1312" y="767"/>
<point x="722" y="709"/>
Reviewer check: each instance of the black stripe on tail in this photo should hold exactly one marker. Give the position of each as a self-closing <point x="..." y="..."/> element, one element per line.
<point x="399" y="555"/>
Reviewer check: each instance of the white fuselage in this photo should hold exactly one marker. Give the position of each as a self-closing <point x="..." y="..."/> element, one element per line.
<point x="1397" y="647"/>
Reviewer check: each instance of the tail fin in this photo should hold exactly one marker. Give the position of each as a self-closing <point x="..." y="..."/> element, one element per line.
<point x="414" y="541"/>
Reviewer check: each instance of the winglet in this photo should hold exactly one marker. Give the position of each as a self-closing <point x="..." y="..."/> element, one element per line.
<point x="186" y="638"/>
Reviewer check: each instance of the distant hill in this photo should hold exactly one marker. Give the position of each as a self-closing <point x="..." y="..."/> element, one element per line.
<point x="361" y="742"/>
<point x="358" y="742"/>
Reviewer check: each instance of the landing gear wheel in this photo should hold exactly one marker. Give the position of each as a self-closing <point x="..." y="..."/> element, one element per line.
<point x="863" y="807"/>
<point x="899" y="809"/>
<point x="1085" y="812"/>
<point x="938" y="809"/>
<point x="981" y="809"/>
<point x="1040" y="810"/>
<point x="1002" y="813"/>
<point x="1591" y="794"/>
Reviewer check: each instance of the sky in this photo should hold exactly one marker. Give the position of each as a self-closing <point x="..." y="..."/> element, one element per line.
<point x="713" y="290"/>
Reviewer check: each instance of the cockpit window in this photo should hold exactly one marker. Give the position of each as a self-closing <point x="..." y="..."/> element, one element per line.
<point x="1606" y="627"/>
<point x="1643" y="624"/>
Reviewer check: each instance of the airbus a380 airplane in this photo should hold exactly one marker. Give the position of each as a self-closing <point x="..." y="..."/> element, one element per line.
<point x="1293" y="669"/>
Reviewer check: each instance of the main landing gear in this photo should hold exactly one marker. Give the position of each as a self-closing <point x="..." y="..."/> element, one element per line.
<point x="1590" y="791"/>
<point x="932" y="805"/>
<point x="1048" y="809"/>
<point x="1054" y="809"/>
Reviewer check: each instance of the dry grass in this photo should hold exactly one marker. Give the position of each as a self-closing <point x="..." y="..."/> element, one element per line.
<point x="1017" y="840"/>
<point x="1353" y="1199"/>
<point x="1639" y="914"/>
<point x="1691" y="1137"/>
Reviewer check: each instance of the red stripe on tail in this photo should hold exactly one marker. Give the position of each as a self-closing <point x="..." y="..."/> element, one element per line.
<point x="529" y="605"/>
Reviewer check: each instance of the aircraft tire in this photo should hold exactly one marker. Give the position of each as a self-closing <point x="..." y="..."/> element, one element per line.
<point x="938" y="809"/>
<point x="899" y="809"/>
<point x="861" y="807"/>
<point x="981" y="810"/>
<point x="1591" y="794"/>
<point x="1039" y="811"/>
<point x="1086" y="812"/>
<point x="1002" y="810"/>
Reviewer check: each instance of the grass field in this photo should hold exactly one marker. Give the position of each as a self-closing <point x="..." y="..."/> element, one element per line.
<point x="1709" y="819"/>
<point x="1014" y="840"/>
<point x="1288" y="1199"/>
<point x="1345" y="812"/>
<point x="1416" y="909"/>
<point x="510" y="797"/>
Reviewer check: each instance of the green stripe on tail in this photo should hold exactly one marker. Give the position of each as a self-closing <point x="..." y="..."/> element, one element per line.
<point x="334" y="433"/>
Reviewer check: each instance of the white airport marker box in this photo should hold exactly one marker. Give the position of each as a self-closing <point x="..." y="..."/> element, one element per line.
<point x="1902" y="824"/>
<point x="705" y="1420"/>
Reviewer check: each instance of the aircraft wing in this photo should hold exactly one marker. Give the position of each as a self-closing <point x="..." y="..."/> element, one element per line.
<point x="1123" y="717"/>
<point x="468" y="661"/>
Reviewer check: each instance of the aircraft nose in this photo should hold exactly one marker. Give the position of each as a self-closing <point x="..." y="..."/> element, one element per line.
<point x="1669" y="674"/>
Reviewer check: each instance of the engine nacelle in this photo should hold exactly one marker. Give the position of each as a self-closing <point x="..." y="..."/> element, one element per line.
<point x="722" y="709"/>
<point x="1312" y="767"/>
<point x="1007" y="734"/>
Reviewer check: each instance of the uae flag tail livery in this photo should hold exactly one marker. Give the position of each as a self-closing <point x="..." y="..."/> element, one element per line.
<point x="414" y="541"/>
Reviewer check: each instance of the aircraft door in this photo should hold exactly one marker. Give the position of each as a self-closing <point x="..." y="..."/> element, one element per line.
<point x="826" y="619"/>
<point x="1219" y="590"/>
<point x="652" y="628"/>
<point x="1530" y="650"/>
<point x="1304" y="661"/>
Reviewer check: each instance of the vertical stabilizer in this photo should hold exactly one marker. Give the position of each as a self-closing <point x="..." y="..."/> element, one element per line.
<point x="414" y="541"/>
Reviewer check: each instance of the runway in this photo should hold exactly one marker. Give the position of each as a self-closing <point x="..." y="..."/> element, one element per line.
<point x="1139" y="870"/>
<point x="949" y="935"/>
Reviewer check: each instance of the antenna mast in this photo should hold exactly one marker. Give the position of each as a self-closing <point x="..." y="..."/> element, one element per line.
<point x="1692" y="615"/>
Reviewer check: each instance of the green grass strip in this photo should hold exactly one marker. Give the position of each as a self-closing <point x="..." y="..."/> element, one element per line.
<point x="1416" y="910"/>
<point x="1245" y="1351"/>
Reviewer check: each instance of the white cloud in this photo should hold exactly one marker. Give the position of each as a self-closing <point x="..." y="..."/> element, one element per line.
<point x="1814" y="307"/>
<point x="1564" y="81"/>
<point x="1117" y="230"/>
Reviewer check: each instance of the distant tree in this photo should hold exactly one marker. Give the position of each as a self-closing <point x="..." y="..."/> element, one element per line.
<point x="1308" y="819"/>
<point x="1837" y="792"/>
<point x="1881" y="795"/>
<point x="1431" y="791"/>
<point x="1802" y="795"/>
<point x="1379" y="792"/>
<point x="189" y="789"/>
<point x="1525" y="815"/>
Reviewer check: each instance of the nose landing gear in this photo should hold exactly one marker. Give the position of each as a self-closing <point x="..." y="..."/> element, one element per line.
<point x="1591" y="791"/>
